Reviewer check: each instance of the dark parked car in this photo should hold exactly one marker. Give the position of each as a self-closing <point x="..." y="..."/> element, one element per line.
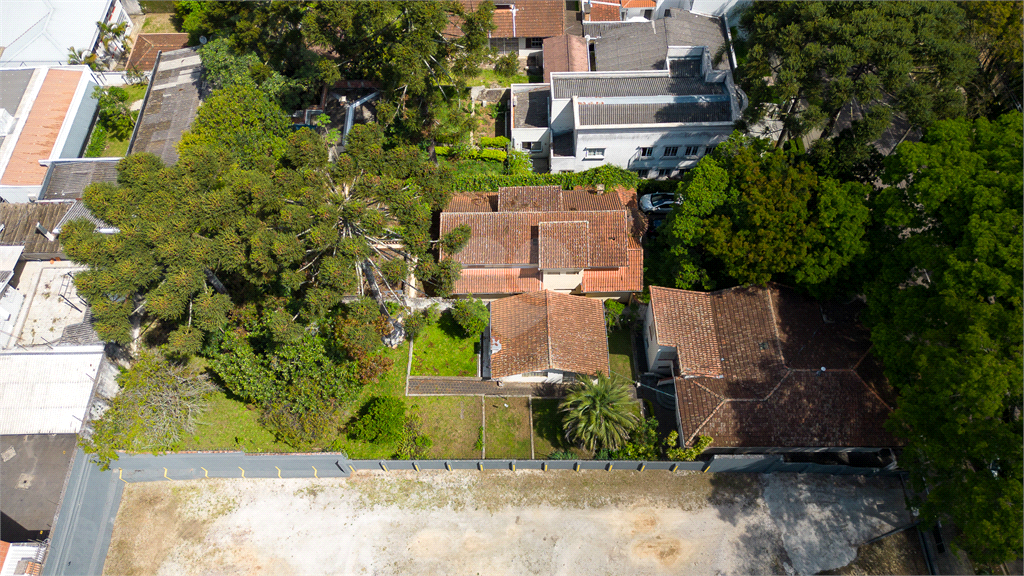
<point x="659" y="203"/>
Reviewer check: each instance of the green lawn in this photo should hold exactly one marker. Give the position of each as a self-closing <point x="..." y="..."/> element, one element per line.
<point x="489" y="78"/>
<point x="443" y="350"/>
<point x="474" y="167"/>
<point x="620" y="355"/>
<point x="118" y="148"/>
<point x="507" y="428"/>
<point x="451" y="422"/>
<point x="229" y="425"/>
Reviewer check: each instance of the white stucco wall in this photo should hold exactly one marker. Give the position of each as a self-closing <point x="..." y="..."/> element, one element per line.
<point x="622" y="145"/>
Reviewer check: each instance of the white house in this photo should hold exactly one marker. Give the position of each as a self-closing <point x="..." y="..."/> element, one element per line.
<point x="654" y="105"/>
<point x="39" y="32"/>
<point x="612" y="10"/>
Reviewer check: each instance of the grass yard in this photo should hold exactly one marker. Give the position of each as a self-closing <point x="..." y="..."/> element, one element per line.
<point x="620" y="355"/>
<point x="118" y="148"/>
<point x="507" y="429"/>
<point x="490" y="79"/>
<point x="475" y="167"/>
<point x="548" y="435"/>
<point x="451" y="422"/>
<point x="159" y="23"/>
<point x="442" y="350"/>
<point x="229" y="425"/>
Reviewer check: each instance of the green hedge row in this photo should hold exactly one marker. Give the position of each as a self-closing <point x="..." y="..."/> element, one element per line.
<point x="485" y="155"/>
<point x="610" y="176"/>
<point x="97" y="143"/>
<point x="497" y="142"/>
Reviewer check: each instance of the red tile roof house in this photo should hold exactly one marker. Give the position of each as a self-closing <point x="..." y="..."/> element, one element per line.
<point x="532" y="238"/>
<point x="764" y="370"/>
<point x="547" y="337"/>
<point x="521" y="25"/>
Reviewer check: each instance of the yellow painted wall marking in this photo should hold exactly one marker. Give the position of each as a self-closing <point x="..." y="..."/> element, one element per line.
<point x="243" y="471"/>
<point x="352" y="468"/>
<point x="278" y="472"/>
<point x="314" y="472"/>
<point x="206" y="471"/>
<point x="165" y="473"/>
<point x="120" y="471"/>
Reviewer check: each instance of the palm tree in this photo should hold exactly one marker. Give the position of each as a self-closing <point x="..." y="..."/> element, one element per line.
<point x="78" y="56"/>
<point x="598" y="415"/>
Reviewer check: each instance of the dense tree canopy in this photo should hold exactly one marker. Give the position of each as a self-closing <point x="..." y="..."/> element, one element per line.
<point x="946" y="310"/>
<point x="911" y="56"/>
<point x="753" y="214"/>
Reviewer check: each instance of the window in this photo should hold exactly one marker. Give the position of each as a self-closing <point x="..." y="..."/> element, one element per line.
<point x="595" y="152"/>
<point x="505" y="45"/>
<point x="527" y="146"/>
<point x="643" y="172"/>
<point x="535" y="43"/>
<point x="671" y="151"/>
<point x="648" y="14"/>
<point x="710" y="149"/>
<point x="668" y="13"/>
<point x="646" y="152"/>
<point x="692" y="150"/>
<point x="664" y="172"/>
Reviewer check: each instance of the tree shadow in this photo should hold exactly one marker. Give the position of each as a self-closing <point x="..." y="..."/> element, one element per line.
<point x="547" y="424"/>
<point x="447" y="324"/>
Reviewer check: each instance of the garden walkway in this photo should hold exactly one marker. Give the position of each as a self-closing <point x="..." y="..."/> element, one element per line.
<point x="442" y="386"/>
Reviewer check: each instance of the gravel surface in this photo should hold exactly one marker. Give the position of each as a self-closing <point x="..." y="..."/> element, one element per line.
<point x="502" y="523"/>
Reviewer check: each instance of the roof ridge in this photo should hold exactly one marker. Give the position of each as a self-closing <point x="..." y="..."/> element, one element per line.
<point x="547" y="325"/>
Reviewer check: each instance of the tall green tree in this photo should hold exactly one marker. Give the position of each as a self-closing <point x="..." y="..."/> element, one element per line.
<point x="598" y="415"/>
<point x="751" y="214"/>
<point x="810" y="59"/>
<point x="996" y="30"/>
<point x="946" y="314"/>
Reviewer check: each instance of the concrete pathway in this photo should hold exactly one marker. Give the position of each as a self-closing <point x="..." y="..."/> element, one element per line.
<point x="440" y="386"/>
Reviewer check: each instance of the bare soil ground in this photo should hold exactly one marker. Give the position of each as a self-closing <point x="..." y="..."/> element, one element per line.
<point x="502" y="523"/>
<point x="896" y="554"/>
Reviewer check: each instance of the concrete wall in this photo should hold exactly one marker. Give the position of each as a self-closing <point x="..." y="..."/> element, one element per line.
<point x="622" y="145"/>
<point x="659" y="358"/>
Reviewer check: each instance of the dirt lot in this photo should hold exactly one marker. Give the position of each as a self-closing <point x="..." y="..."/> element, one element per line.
<point x="502" y="523"/>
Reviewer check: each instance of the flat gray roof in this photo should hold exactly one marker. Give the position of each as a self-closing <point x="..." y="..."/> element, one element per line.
<point x="12" y="88"/>
<point x="39" y="463"/>
<point x="172" y="101"/>
<point x="654" y="113"/>
<point x="644" y="47"/>
<point x="597" y="86"/>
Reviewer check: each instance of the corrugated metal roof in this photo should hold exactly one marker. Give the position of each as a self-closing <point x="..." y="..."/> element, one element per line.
<point x="47" y="392"/>
<point x="644" y="46"/>
<point x="174" y="96"/>
<point x="611" y="114"/>
<point x="9" y="256"/>
<point x="78" y="210"/>
<point x="67" y="180"/>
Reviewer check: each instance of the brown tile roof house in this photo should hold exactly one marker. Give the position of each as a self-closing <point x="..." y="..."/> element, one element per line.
<point x="520" y="233"/>
<point x="762" y="367"/>
<point x="520" y="18"/>
<point x="604" y="11"/>
<point x="565" y="53"/>
<point x="548" y="331"/>
<point x="143" y="55"/>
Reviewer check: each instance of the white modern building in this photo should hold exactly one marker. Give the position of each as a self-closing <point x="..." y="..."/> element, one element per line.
<point x="653" y="105"/>
<point x="40" y="32"/>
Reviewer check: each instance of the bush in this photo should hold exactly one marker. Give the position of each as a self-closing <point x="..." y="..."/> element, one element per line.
<point x="432" y="314"/>
<point x="471" y="314"/>
<point x="383" y="421"/>
<point x="414" y="324"/>
<point x="507" y="66"/>
<point x="443" y="151"/>
<point x="687" y="454"/>
<point x="613" y="313"/>
<point x="562" y="455"/>
<point x="496" y="142"/>
<point x="491" y="155"/>
<point x="395" y="271"/>
<point x="114" y="113"/>
<point x="456" y="240"/>
<point x="610" y="176"/>
<point x="518" y="162"/>
<point x="97" y="143"/>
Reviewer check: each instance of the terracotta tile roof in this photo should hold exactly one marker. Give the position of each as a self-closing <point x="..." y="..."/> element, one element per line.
<point x="638" y="4"/>
<point x="685" y="321"/>
<point x="529" y="199"/>
<point x="506" y="232"/>
<point x="481" y="202"/>
<point x="565" y="53"/>
<point x="143" y="55"/>
<point x="563" y="245"/>
<point x="767" y="346"/>
<point x="531" y="19"/>
<point x="548" y="331"/>
<point x="509" y="238"/>
<point x="629" y="278"/>
<point x="39" y="135"/>
<point x="604" y="12"/>
<point x="498" y="281"/>
<point x="809" y="409"/>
